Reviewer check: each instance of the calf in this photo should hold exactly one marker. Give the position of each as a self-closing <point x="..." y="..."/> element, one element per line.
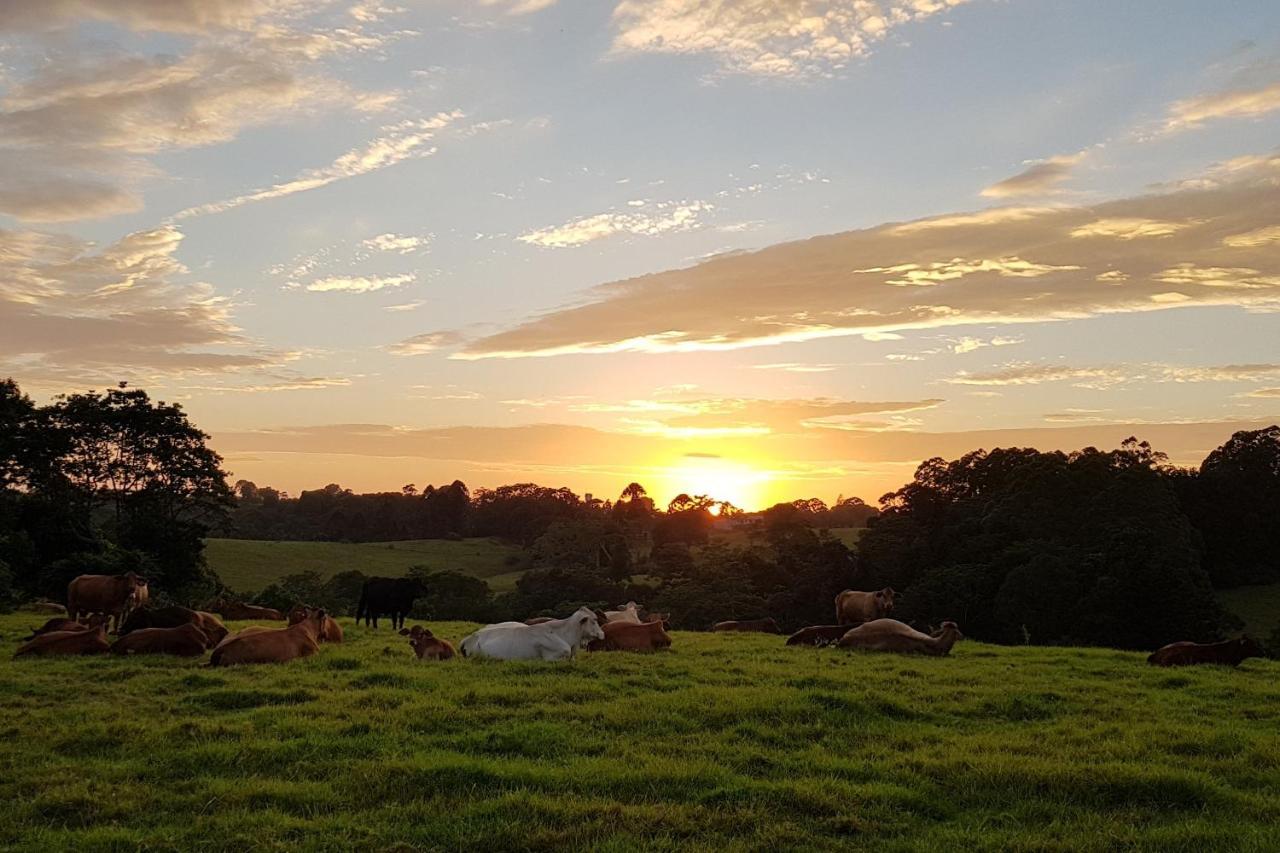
<point x="427" y="646"/>
<point x="185" y="640"/>
<point x="768" y="625"/>
<point x="817" y="635"/>
<point x="91" y="641"/>
<point x="629" y="637"/>
<point x="1228" y="652"/>
<point x="330" y="631"/>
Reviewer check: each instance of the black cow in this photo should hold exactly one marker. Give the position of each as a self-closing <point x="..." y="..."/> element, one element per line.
<point x="172" y="616"/>
<point x="387" y="596"/>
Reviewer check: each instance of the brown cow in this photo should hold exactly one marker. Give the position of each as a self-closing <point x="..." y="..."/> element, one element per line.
<point x="630" y="637"/>
<point x="64" y="624"/>
<point x="274" y="645"/>
<point x="91" y="641"/>
<point x="243" y="632"/>
<point x="330" y="632"/>
<point x="212" y="627"/>
<point x="109" y="594"/>
<point x="890" y="635"/>
<point x="428" y="646"/>
<point x="238" y="610"/>
<point x="1228" y="652"/>
<point x="768" y="625"/>
<point x="185" y="640"/>
<point x="817" y="635"/>
<point x="854" y="607"/>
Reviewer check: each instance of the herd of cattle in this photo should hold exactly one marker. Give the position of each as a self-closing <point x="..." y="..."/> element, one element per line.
<point x="95" y="602"/>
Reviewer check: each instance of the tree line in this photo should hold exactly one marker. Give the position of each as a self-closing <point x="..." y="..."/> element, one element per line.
<point x="1111" y="547"/>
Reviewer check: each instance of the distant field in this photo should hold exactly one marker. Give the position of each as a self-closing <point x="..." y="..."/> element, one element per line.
<point x="248" y="565"/>
<point x="1258" y="606"/>
<point x="847" y="535"/>
<point x="725" y="743"/>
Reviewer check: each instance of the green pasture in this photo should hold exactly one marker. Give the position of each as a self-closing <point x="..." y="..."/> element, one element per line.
<point x="726" y="742"/>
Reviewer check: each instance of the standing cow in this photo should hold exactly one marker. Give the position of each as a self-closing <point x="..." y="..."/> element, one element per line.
<point x="854" y="607"/>
<point x="388" y="597"/>
<point x="108" y="594"/>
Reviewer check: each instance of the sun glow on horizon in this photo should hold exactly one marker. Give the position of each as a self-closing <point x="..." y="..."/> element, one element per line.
<point x="737" y="482"/>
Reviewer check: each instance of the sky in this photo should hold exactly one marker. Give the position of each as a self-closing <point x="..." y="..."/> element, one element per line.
<point x="758" y="250"/>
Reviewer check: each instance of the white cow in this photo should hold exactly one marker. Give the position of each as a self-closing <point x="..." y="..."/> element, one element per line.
<point x="629" y="614"/>
<point x="555" y="640"/>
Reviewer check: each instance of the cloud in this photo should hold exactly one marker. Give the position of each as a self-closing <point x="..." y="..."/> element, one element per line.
<point x="1252" y="239"/>
<point x="405" y="306"/>
<point x="796" y="39"/>
<point x="966" y="344"/>
<point x="1036" y="374"/>
<point x="175" y="16"/>
<point x="74" y="313"/>
<point x="1077" y="416"/>
<point x="659" y="218"/>
<point x="1236" y="103"/>
<point x="1019" y="265"/>
<point x="425" y="343"/>
<point x="406" y="140"/>
<point x="520" y="7"/>
<point x="358" y="283"/>
<point x="1040" y="178"/>
<point x="797" y="367"/>
<point x="312" y="383"/>
<point x="1130" y="228"/>
<point x="399" y="243"/>
<point x="1223" y="373"/>
<point x="1264" y="393"/>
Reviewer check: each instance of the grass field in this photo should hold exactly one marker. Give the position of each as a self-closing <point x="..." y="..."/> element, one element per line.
<point x="727" y="742"/>
<point x="248" y="565"/>
<point x="1258" y="606"/>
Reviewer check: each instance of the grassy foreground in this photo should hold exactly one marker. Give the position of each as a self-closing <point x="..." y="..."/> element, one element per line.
<point x="726" y="742"/>
<point x="248" y="565"/>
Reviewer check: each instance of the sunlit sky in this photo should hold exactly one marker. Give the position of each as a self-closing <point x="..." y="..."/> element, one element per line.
<point x="759" y="250"/>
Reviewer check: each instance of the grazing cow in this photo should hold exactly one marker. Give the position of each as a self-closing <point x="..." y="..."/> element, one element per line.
<point x="768" y="625"/>
<point x="89" y="641"/>
<point x="426" y="645"/>
<point x="818" y="635"/>
<point x="109" y="594"/>
<point x="558" y="639"/>
<point x="65" y="624"/>
<point x="158" y="617"/>
<point x="629" y="637"/>
<point x="630" y="614"/>
<point x="890" y="635"/>
<point x="854" y="607"/>
<point x="186" y="640"/>
<point x="388" y="596"/>
<point x="1228" y="652"/>
<point x="330" y="631"/>
<point x="272" y="645"/>
<point x="238" y="610"/>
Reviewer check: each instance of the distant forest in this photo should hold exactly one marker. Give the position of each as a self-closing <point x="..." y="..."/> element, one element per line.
<point x="1104" y="547"/>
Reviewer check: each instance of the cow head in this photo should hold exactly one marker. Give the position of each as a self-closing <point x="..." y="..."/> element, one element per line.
<point x="884" y="600"/>
<point x="419" y="638"/>
<point x="950" y="627"/>
<point x="589" y="623"/>
<point x="297" y="613"/>
<point x="1250" y="647"/>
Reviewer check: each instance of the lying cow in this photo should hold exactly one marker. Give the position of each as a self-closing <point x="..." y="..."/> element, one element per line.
<point x="237" y="611"/>
<point x="768" y="625"/>
<point x="818" y="635"/>
<point x="186" y="640"/>
<point x="174" y="616"/>
<point x="1228" y="652"/>
<point x="330" y="631"/>
<point x="272" y="645"/>
<point x="629" y="614"/>
<point x="108" y="594"/>
<point x="426" y="645"/>
<point x="90" y="641"/>
<point x="629" y="637"/>
<point x="558" y="639"/>
<point x="64" y="624"/>
<point x="890" y="635"/>
<point x="854" y="607"/>
<point x="243" y="632"/>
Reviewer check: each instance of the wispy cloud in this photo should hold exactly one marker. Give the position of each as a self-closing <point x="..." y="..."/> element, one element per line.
<point x="646" y="220"/>
<point x="1042" y="177"/>
<point x="409" y="139"/>
<point x="791" y="40"/>
<point x="1235" y="103"/>
<point x="425" y="343"/>
<point x="356" y="284"/>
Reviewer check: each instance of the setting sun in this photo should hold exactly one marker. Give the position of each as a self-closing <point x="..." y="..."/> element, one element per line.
<point x="722" y="479"/>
